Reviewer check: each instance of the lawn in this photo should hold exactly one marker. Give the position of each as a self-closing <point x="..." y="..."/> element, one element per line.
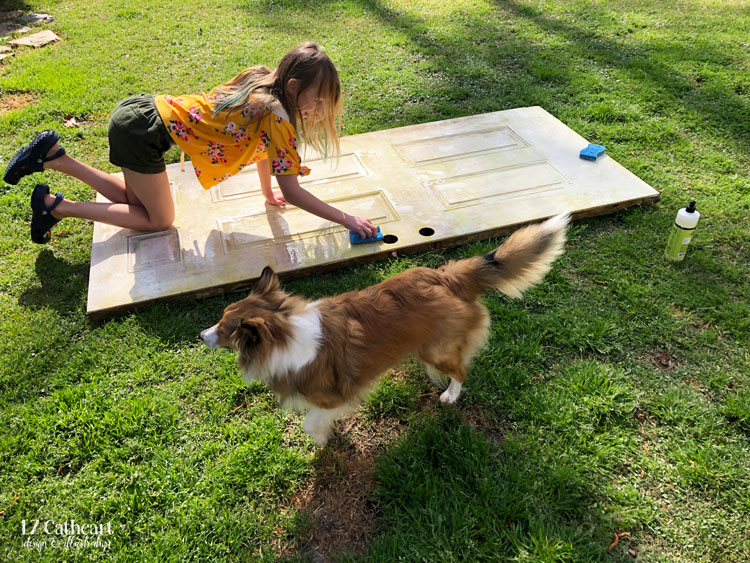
<point x="612" y="402"/>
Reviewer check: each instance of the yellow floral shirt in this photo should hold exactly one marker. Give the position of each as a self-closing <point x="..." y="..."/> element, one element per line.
<point x="220" y="147"/>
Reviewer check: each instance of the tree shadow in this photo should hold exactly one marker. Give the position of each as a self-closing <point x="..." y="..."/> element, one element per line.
<point x="481" y="65"/>
<point x="645" y="63"/>
<point x="13" y="5"/>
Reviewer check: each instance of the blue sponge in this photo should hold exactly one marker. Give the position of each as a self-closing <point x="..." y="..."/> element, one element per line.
<point x="592" y="152"/>
<point x="356" y="239"/>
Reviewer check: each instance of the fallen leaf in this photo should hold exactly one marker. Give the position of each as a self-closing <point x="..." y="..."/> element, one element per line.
<point x="664" y="359"/>
<point x="71" y="121"/>
<point x="645" y="448"/>
<point x="614" y="543"/>
<point x="617" y="539"/>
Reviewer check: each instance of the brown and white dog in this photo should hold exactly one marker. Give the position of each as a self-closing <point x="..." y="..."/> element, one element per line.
<point x="325" y="355"/>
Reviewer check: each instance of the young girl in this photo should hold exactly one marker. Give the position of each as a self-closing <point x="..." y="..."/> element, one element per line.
<point x="254" y="117"/>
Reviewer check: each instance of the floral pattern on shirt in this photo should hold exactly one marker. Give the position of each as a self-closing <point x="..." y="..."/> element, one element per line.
<point x="221" y="145"/>
<point x="281" y="164"/>
<point x="179" y="129"/>
<point x="194" y="115"/>
<point x="222" y="178"/>
<point x="216" y="152"/>
<point x="237" y="133"/>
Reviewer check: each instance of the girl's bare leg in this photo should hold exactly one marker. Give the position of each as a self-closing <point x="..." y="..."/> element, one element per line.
<point x="112" y="188"/>
<point x="153" y="212"/>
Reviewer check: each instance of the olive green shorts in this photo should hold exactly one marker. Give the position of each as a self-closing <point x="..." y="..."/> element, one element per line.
<point x="138" y="138"/>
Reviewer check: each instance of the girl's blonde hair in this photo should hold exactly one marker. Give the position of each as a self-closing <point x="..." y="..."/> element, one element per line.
<point x="255" y="90"/>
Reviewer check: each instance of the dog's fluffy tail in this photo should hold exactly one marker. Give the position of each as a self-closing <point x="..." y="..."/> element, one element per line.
<point x="520" y="262"/>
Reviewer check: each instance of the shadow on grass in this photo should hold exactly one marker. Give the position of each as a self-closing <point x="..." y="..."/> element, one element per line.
<point x="445" y="491"/>
<point x="63" y="285"/>
<point x="337" y="511"/>
<point x="472" y="64"/>
<point x="12" y="5"/>
<point x="645" y="63"/>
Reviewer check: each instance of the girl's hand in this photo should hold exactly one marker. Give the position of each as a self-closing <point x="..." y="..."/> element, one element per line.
<point x="275" y="198"/>
<point x="363" y="227"/>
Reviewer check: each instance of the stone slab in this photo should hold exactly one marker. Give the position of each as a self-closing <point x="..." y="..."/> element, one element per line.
<point x="37" y="18"/>
<point x="10" y="15"/>
<point x="36" y="39"/>
<point x="427" y="186"/>
<point x="9" y="28"/>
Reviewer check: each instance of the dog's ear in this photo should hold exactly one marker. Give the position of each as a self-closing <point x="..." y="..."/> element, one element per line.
<point x="268" y="282"/>
<point x="251" y="332"/>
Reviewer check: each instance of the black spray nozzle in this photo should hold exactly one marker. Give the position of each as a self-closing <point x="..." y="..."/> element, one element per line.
<point x="691" y="207"/>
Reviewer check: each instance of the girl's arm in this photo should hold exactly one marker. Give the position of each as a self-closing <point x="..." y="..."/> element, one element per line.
<point x="297" y="195"/>
<point x="264" y="175"/>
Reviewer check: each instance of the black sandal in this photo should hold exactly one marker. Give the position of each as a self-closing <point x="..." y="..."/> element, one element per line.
<point x="32" y="157"/>
<point x="41" y="218"/>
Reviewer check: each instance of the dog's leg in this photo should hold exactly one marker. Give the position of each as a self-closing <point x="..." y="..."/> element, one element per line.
<point x="449" y="359"/>
<point x="318" y="422"/>
<point x="439" y="380"/>
<point x="442" y="381"/>
<point x="451" y="394"/>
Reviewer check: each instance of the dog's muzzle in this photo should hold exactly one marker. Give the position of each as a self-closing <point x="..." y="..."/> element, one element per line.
<point x="210" y="337"/>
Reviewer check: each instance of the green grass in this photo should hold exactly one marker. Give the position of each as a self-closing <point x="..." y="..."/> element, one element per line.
<point x="570" y="429"/>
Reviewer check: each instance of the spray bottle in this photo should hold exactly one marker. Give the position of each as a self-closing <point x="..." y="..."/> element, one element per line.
<point x="682" y="232"/>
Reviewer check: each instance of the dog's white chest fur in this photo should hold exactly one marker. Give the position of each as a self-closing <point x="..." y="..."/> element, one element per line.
<point x="301" y="348"/>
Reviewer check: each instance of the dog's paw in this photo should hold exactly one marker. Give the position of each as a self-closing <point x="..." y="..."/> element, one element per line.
<point x="320" y="439"/>
<point x="451" y="394"/>
<point x="447" y="398"/>
<point x="319" y="435"/>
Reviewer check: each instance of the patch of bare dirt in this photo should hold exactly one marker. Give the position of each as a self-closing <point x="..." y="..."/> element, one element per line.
<point x="338" y="502"/>
<point x="15" y="101"/>
<point x="496" y="430"/>
<point x="338" y="498"/>
<point x="663" y="360"/>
